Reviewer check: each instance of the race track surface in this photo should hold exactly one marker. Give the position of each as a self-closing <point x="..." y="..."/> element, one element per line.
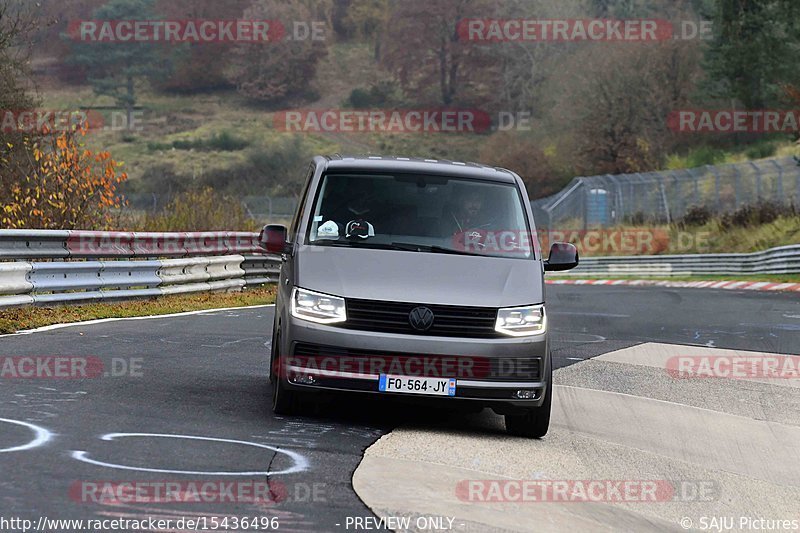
<point x="186" y="399"/>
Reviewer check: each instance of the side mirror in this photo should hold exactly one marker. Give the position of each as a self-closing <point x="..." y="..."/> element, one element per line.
<point x="563" y="256"/>
<point x="273" y="238"/>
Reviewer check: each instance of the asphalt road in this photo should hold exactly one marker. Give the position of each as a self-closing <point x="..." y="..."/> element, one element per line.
<point x="199" y="394"/>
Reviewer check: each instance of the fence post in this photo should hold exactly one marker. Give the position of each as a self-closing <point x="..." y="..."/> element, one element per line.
<point x="619" y="207"/>
<point x="797" y="184"/>
<point x="758" y="180"/>
<point x="680" y="205"/>
<point x="737" y="185"/>
<point x="779" y="188"/>
<point x="585" y="205"/>
<point x="664" y="197"/>
<point x="718" y="201"/>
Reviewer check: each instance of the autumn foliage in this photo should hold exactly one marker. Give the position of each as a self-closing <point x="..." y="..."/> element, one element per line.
<point x="54" y="182"/>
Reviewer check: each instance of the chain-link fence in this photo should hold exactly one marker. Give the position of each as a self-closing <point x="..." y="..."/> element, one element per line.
<point x="665" y="196"/>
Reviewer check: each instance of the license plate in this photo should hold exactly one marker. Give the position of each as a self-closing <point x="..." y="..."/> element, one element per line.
<point x="411" y="385"/>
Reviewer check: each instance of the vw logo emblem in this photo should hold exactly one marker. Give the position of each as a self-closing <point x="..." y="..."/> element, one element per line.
<point x="421" y="318"/>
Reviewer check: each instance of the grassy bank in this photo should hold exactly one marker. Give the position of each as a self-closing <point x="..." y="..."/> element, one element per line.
<point x="13" y="320"/>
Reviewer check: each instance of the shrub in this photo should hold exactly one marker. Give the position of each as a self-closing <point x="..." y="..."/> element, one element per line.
<point x="198" y="210"/>
<point x="764" y="212"/>
<point x="226" y="142"/>
<point x="696" y="215"/>
<point x="761" y="150"/>
<point x="58" y="184"/>
<point x="221" y="142"/>
<point x="381" y="94"/>
<point x="282" y="73"/>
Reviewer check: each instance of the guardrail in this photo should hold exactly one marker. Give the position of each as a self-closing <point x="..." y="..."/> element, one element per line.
<point x="781" y="260"/>
<point x="42" y="267"/>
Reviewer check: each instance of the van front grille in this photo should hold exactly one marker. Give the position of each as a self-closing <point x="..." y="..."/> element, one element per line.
<point x="449" y="320"/>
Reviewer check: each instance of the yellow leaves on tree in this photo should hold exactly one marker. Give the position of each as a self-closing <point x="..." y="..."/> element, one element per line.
<point x="62" y="185"/>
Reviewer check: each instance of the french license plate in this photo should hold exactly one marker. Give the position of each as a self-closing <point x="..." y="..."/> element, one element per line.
<point x="412" y="385"/>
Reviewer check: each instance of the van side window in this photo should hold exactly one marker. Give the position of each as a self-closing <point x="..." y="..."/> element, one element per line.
<point x="300" y="206"/>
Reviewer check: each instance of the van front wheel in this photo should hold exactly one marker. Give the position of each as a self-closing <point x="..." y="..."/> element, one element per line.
<point x="534" y="423"/>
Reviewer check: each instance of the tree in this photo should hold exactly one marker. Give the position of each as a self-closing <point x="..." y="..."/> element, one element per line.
<point x="368" y="19"/>
<point x="60" y="185"/>
<point x="615" y="108"/>
<point x="754" y="50"/>
<point x="197" y="66"/>
<point x="17" y="27"/>
<point x="423" y="49"/>
<point x="115" y="68"/>
<point x="279" y="72"/>
<point x="523" y="68"/>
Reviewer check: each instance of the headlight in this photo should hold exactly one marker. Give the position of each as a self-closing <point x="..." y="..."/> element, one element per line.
<point x="521" y="321"/>
<point x="317" y="307"/>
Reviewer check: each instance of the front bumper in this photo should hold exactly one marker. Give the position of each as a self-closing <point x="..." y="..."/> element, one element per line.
<point x="474" y="361"/>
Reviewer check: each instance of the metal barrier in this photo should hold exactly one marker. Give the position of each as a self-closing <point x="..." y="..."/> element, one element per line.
<point x="781" y="260"/>
<point x="192" y="262"/>
<point x="60" y="282"/>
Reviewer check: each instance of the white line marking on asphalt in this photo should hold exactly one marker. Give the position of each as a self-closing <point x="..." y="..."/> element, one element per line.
<point x="579" y="313"/>
<point x="42" y="436"/>
<point x="147" y="317"/>
<point x="300" y="462"/>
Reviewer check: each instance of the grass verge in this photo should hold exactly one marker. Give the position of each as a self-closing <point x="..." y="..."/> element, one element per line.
<point x="13" y="320"/>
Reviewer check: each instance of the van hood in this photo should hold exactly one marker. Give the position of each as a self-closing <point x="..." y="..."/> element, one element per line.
<point x="420" y="277"/>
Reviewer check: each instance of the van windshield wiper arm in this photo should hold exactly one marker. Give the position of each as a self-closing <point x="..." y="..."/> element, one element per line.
<point x="431" y="248"/>
<point x="402" y="246"/>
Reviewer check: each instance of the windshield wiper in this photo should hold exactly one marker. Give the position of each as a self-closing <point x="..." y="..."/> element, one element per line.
<point x="401" y="246"/>
<point x="432" y="249"/>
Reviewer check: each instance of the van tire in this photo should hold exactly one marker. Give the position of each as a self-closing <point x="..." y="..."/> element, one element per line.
<point x="534" y="423"/>
<point x="284" y="401"/>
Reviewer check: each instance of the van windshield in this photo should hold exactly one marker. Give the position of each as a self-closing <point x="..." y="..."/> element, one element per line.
<point x="422" y="213"/>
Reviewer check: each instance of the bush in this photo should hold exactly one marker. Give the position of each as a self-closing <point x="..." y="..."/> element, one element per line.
<point x="222" y="142"/>
<point x="281" y="74"/>
<point x="764" y="212"/>
<point x="54" y="182"/>
<point x="198" y="210"/>
<point x="761" y="150"/>
<point x="705" y="155"/>
<point x="226" y="142"/>
<point x="696" y="215"/>
<point x="524" y="156"/>
<point x="381" y="94"/>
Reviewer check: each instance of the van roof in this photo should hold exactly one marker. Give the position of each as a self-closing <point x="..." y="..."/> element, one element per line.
<point x="417" y="165"/>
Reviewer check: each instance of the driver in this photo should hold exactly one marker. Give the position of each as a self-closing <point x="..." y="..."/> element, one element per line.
<point x="469" y="212"/>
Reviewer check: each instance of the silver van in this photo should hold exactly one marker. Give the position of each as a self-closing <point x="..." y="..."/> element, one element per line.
<point x="414" y="278"/>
